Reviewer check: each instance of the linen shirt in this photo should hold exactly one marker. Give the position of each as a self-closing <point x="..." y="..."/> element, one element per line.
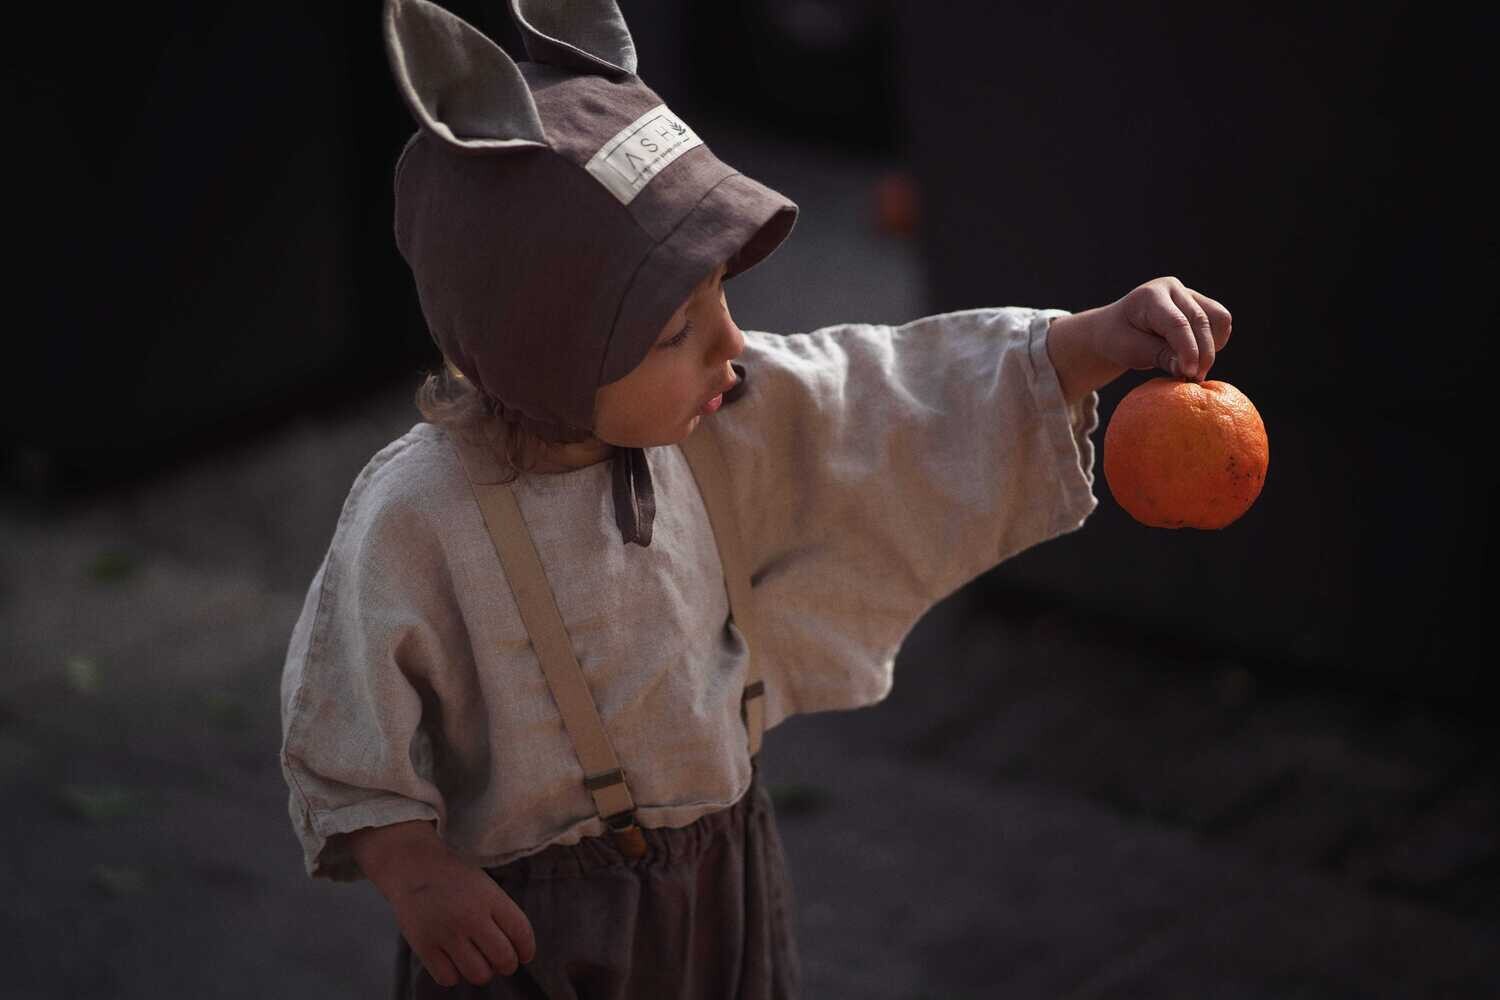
<point x="873" y="469"/>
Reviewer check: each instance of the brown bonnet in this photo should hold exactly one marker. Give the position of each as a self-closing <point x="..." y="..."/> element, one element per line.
<point x="555" y="213"/>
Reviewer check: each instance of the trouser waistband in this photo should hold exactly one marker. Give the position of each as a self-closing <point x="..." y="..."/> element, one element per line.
<point x="664" y="845"/>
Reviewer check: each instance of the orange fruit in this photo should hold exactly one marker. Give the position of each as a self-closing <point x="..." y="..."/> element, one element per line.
<point x="1182" y="454"/>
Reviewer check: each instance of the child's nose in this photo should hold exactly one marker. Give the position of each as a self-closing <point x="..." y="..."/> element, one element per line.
<point x="731" y="341"/>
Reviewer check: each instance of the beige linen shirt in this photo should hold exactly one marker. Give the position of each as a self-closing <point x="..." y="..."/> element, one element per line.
<point x="874" y="470"/>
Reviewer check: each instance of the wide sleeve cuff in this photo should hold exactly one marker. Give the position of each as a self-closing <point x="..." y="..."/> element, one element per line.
<point x="325" y="849"/>
<point x="1069" y="430"/>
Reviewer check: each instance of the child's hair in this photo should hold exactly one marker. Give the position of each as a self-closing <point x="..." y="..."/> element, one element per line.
<point x="451" y="401"/>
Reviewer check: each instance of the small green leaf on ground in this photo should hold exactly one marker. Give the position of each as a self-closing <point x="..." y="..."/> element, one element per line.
<point x="83" y="674"/>
<point x="117" y="880"/>
<point x="225" y="710"/>
<point x="795" y="799"/>
<point x="99" y="803"/>
<point x="113" y="565"/>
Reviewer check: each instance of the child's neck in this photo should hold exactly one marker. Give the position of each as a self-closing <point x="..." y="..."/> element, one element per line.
<point x="555" y="458"/>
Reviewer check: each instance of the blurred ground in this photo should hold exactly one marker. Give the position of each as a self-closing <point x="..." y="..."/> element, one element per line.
<point x="1047" y="805"/>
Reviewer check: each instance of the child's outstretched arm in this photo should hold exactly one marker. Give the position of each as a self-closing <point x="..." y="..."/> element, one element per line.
<point x="454" y="916"/>
<point x="1161" y="324"/>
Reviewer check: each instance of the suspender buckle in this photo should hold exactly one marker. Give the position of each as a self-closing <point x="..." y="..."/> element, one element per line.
<point x="626" y="834"/>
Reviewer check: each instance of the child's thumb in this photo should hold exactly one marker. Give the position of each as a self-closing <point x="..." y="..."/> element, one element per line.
<point x="1140" y="351"/>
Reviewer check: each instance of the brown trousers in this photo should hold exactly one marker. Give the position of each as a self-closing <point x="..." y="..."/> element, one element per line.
<point x="707" y="914"/>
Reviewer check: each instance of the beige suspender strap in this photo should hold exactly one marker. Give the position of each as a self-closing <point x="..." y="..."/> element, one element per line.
<point x="705" y="457"/>
<point x="603" y="776"/>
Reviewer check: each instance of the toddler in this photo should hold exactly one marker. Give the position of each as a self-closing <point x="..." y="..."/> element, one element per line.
<point x="528" y="687"/>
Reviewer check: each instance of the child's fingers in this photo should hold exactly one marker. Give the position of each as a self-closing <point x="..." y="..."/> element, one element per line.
<point x="474" y="966"/>
<point x="512" y="920"/>
<point x="1140" y="350"/>
<point x="438" y="966"/>
<point x="1179" y="356"/>
<point x="496" y="948"/>
<point x="1218" y="317"/>
<point x="1203" y="336"/>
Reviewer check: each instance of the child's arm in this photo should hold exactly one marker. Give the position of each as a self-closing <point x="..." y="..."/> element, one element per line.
<point x="879" y="468"/>
<point x="1161" y="324"/>
<point x="376" y="660"/>
<point x="454" y="916"/>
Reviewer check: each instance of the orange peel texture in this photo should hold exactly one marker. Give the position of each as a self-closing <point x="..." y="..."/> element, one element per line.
<point x="1182" y="454"/>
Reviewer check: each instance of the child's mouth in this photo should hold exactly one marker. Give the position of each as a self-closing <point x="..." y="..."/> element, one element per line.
<point x="712" y="405"/>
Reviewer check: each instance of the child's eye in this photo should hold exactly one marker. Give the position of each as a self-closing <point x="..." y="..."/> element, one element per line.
<point x="687" y="328"/>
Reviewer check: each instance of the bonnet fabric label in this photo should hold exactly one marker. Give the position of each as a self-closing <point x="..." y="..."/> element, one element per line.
<point x="641" y="150"/>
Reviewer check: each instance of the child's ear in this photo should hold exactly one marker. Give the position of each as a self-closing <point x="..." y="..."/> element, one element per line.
<point x="586" y="36"/>
<point x="460" y="86"/>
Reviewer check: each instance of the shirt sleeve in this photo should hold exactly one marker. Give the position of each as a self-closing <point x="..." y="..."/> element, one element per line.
<point x="876" y="469"/>
<point x="358" y="706"/>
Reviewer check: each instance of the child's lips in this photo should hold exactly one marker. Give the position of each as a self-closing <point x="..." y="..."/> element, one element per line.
<point x="717" y="400"/>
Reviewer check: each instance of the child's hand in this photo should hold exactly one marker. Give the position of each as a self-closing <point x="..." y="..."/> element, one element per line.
<point x="454" y="916"/>
<point x="459" y="922"/>
<point x="1163" y="324"/>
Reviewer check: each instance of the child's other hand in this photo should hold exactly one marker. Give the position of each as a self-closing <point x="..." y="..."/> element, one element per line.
<point x="455" y="918"/>
<point x="1163" y="324"/>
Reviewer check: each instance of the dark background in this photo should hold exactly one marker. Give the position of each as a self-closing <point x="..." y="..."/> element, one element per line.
<point x="202" y="219"/>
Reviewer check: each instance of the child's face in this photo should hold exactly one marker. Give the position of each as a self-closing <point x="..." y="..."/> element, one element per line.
<point x="662" y="399"/>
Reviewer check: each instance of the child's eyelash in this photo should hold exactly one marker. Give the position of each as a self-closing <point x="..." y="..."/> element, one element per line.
<point x="687" y="327"/>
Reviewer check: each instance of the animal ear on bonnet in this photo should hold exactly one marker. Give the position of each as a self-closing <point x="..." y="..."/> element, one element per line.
<point x="586" y="36"/>
<point x="459" y="85"/>
<point x="466" y="91"/>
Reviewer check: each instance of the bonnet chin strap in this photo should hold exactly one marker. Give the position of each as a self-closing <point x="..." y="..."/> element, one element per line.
<point x="635" y="500"/>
